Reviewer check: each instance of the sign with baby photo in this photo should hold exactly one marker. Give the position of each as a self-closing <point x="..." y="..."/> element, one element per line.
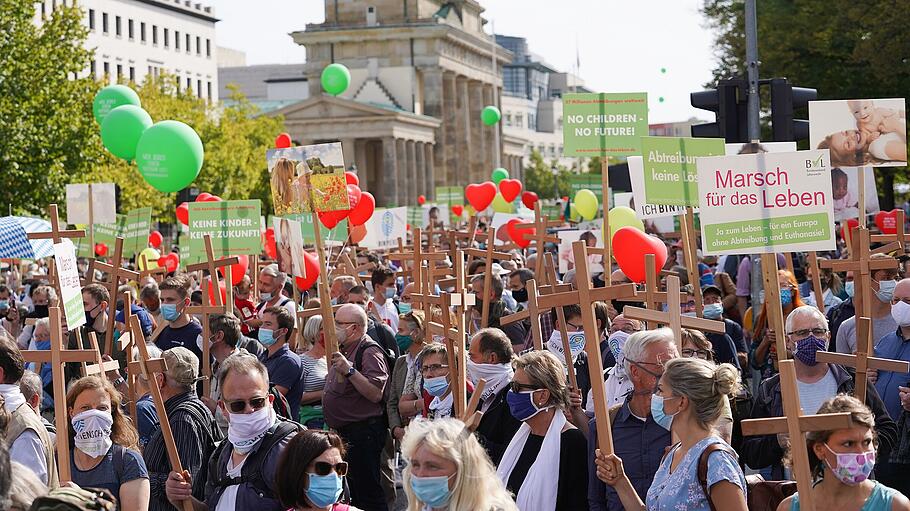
<point x="288" y="170"/>
<point x="860" y="132"/>
<point x="593" y="239"/>
<point x="845" y="192"/>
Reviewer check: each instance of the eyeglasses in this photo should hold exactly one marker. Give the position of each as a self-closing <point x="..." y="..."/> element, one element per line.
<point x="905" y="300"/>
<point x="238" y="406"/>
<point x="323" y="469"/>
<point x="691" y="353"/>
<point x="518" y="387"/>
<point x="576" y="327"/>
<point x="433" y="367"/>
<point x="818" y="332"/>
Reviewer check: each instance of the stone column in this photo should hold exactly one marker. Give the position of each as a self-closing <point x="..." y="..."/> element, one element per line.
<point x="447" y="145"/>
<point x="348" y="146"/>
<point x="480" y="166"/>
<point x="421" y="180"/>
<point x="360" y="159"/>
<point x="412" y="173"/>
<point x="463" y="133"/>
<point x="401" y="194"/>
<point x="435" y="100"/>
<point x="430" y="181"/>
<point x="389" y="177"/>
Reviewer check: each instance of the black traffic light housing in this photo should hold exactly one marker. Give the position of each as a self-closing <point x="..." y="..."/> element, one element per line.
<point x="786" y="98"/>
<point x="729" y="102"/>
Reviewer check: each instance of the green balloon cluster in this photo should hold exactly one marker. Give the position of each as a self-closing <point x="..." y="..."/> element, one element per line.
<point x="122" y="128"/>
<point x="169" y="156"/>
<point x="335" y="79"/>
<point x="110" y="98"/>
<point x="498" y="175"/>
<point x="490" y="115"/>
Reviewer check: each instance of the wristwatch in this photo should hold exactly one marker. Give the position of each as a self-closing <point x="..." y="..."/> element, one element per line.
<point x="351" y="372"/>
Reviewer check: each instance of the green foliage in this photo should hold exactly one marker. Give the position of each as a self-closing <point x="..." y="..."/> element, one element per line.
<point x="538" y="177"/>
<point x="843" y="48"/>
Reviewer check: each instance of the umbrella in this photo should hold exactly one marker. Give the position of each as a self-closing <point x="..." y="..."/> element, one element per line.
<point x="14" y="242"/>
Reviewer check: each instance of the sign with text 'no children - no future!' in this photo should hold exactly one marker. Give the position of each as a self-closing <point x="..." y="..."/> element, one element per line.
<point x="765" y="203"/>
<point x="604" y="124"/>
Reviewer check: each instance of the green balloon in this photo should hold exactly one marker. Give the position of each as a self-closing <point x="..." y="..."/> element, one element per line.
<point x="490" y="115"/>
<point x="110" y="98"/>
<point x="169" y="156"/>
<point x="122" y="128"/>
<point x="663" y="70"/>
<point x="660" y="99"/>
<point x="499" y="174"/>
<point x="335" y="79"/>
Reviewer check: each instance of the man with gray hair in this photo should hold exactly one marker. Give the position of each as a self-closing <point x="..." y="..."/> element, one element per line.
<point x="150" y="298"/>
<point x="271" y="282"/>
<point x="807" y="333"/>
<point x="194" y="428"/>
<point x="33" y="391"/>
<point x="341" y="286"/>
<point x="637" y="438"/>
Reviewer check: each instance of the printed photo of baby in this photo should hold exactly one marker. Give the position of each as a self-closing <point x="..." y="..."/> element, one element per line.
<point x="860" y="132"/>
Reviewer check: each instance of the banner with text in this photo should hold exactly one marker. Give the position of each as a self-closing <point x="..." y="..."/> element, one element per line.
<point x="136" y="232"/>
<point x="70" y="286"/>
<point x="604" y="124"/>
<point x="385" y="227"/>
<point x="670" y="176"/>
<point x="234" y="226"/>
<point x="766" y="203"/>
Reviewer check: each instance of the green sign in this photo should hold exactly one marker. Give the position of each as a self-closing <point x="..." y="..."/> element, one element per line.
<point x="450" y="195"/>
<point x="107" y="234"/>
<point x="233" y="225"/>
<point x="604" y="124"/>
<point x="337" y="234"/>
<point x="136" y="232"/>
<point x="591" y="182"/>
<point x="671" y="177"/>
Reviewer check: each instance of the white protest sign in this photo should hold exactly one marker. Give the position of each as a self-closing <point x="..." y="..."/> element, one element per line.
<point x="644" y="210"/>
<point x="498" y="224"/>
<point x="385" y="227"/>
<point x="766" y="203"/>
<point x="70" y="287"/>
<point x="103" y="201"/>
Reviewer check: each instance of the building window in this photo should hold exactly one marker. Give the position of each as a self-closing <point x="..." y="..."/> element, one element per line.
<point x="189" y="84"/>
<point x="198" y="45"/>
<point x="117" y="30"/>
<point x="560" y="149"/>
<point x="92" y="69"/>
<point x="107" y="70"/>
<point x="187" y="43"/>
<point x="199" y="88"/>
<point x="519" y="121"/>
<point x="208" y="90"/>
<point x="208" y="48"/>
<point x="142" y="31"/>
<point x="104" y="22"/>
<point x="155" y="35"/>
<point x="177" y="81"/>
<point x="91" y="17"/>
<point x="508" y="119"/>
<point x="129" y="29"/>
<point x="167" y="41"/>
<point x="532" y="122"/>
<point x="132" y="74"/>
<point x="176" y="39"/>
<point x="119" y="72"/>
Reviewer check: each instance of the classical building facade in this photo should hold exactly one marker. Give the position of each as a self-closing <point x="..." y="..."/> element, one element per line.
<point x="421" y="72"/>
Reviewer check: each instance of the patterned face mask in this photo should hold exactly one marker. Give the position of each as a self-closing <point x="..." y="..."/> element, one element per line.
<point x="852" y="468"/>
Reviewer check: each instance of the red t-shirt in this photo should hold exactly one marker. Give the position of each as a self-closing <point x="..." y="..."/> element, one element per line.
<point x="247" y="312"/>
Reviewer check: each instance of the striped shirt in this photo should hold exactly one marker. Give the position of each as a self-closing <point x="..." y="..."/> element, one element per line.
<point x="314" y="373"/>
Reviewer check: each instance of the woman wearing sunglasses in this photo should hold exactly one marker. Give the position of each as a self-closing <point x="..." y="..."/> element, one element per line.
<point x="311" y="471"/>
<point x="546" y="444"/>
<point x="447" y="469"/>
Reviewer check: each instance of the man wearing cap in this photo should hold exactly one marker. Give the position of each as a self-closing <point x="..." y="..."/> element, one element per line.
<point x="194" y="428"/>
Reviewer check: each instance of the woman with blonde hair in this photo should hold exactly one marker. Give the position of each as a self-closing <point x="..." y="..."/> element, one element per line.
<point x="447" y="469"/>
<point x="99" y="432"/>
<point x="282" y="181"/>
<point x="689" y="401"/>
<point x="315" y="369"/>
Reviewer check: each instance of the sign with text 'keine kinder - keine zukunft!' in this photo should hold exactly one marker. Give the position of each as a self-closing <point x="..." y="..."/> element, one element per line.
<point x="234" y="226"/>
<point x="765" y="203"/>
<point x="604" y="124"/>
<point x="669" y="174"/>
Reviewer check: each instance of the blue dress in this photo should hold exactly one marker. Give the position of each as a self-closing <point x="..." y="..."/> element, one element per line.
<point x="680" y="490"/>
<point x="879" y="499"/>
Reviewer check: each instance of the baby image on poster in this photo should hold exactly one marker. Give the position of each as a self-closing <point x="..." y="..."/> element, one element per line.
<point x="592" y="238"/>
<point x="860" y="132"/>
<point x="845" y="192"/>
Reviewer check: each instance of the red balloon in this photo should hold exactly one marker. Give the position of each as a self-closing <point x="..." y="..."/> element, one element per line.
<point x="171" y="262"/>
<point x="421" y="200"/>
<point x="363" y="210"/>
<point x="221" y="288"/>
<point x="509" y="188"/>
<point x="332" y="218"/>
<point x="458" y="209"/>
<point x="480" y="195"/>
<point x="311" y="265"/>
<point x="183" y="213"/>
<point x="630" y="246"/>
<point x="162" y="261"/>
<point x="237" y="270"/>
<point x="100" y="249"/>
<point x="354" y="194"/>
<point x="357" y="233"/>
<point x="282" y="140"/>
<point x="351" y="178"/>
<point x="846" y="230"/>
<point x="271" y="248"/>
<point x="887" y="221"/>
<point x="520" y="235"/>
<point x="203" y="197"/>
<point x="210" y="198"/>
<point x="155" y="238"/>
<point x="529" y="199"/>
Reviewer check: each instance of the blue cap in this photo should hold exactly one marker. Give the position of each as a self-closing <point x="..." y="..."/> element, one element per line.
<point x="145" y="319"/>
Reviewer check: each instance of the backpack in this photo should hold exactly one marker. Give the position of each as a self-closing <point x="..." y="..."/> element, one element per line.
<point x="368" y="343"/>
<point x="253" y="466"/>
<point x="761" y="495"/>
<point x="75" y="499"/>
<point x="280" y="404"/>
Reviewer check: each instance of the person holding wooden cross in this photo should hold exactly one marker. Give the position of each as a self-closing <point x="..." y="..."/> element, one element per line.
<point x="883" y="282"/>
<point x="689" y="399"/>
<point x="518" y="282"/>
<point x="843" y="460"/>
<point x="807" y="333"/>
<point x="150" y="296"/>
<point x="763" y="351"/>
<point x="106" y="444"/>
<point x="515" y="331"/>
<point x="490" y="359"/>
<point x="182" y="330"/>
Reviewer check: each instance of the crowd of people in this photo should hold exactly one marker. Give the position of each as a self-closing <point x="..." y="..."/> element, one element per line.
<point x="287" y="424"/>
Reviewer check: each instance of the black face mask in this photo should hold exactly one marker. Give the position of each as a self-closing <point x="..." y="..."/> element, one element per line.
<point x="520" y="295"/>
<point x="41" y="311"/>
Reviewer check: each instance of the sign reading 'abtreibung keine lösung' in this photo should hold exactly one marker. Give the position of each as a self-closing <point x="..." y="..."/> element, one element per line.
<point x="765" y="203"/>
<point x="604" y="124"/>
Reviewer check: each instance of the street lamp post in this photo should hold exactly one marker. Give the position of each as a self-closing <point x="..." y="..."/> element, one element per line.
<point x="555" y="170"/>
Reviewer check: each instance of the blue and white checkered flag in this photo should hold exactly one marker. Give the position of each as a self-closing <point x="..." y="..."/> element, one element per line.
<point x="14" y="242"/>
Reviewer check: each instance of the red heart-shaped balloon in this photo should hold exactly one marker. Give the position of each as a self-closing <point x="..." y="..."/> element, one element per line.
<point x="630" y="246"/>
<point x="222" y="290"/>
<point x="311" y="266"/>
<point x="183" y="213"/>
<point x="887" y="221"/>
<point x="363" y="210"/>
<point x="480" y="195"/>
<point x="458" y="209"/>
<point x="529" y="199"/>
<point x="237" y="270"/>
<point x="846" y="230"/>
<point x="509" y="188"/>
<point x="100" y="249"/>
<point x="520" y="235"/>
<point x="171" y="262"/>
<point x="421" y="200"/>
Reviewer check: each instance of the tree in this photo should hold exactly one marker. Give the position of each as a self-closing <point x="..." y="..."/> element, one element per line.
<point x="843" y="48"/>
<point x="538" y="177"/>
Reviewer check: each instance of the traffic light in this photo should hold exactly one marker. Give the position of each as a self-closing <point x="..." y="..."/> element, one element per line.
<point x="786" y="98"/>
<point x="728" y="101"/>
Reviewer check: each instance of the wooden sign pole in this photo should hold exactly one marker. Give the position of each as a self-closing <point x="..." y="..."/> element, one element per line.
<point x="863" y="267"/>
<point x="816" y="281"/>
<point x="488" y="255"/>
<point x="608" y="238"/>
<point x="691" y="257"/>
<point x="116" y="272"/>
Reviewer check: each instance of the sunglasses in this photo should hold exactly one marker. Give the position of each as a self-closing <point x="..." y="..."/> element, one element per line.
<point x="239" y="405"/>
<point x="518" y="387"/>
<point x="323" y="468"/>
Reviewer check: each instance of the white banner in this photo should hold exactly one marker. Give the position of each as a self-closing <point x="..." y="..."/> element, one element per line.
<point x="385" y="227"/>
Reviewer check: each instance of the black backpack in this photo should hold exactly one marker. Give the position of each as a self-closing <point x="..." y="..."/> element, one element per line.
<point x="280" y="404"/>
<point x="253" y="466"/>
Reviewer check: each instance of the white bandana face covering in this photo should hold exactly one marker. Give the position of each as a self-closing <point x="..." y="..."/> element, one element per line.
<point x="93" y="432"/>
<point x="245" y="430"/>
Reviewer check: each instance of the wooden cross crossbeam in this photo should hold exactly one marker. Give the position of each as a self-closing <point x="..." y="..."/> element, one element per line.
<point x="471" y="416"/>
<point x="116" y="272"/>
<point x="863" y="267"/>
<point x="816" y="281"/>
<point x="488" y="256"/>
<point x="653" y="297"/>
<point x="673" y="315"/>
<point x="207" y="310"/>
<point x="540" y="236"/>
<point x="151" y="270"/>
<point x="212" y="266"/>
<point x="796" y="424"/>
<point x="100" y="366"/>
<point x="55" y="234"/>
<point x="345" y="266"/>
<point x="57" y="357"/>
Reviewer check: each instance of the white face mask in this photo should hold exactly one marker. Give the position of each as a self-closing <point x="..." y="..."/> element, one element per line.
<point x="900" y="311"/>
<point x="93" y="432"/>
<point x="576" y="344"/>
<point x="245" y="430"/>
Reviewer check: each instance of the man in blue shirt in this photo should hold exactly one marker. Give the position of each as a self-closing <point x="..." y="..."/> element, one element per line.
<point x="284" y="367"/>
<point x="637" y="439"/>
<point x="182" y="330"/>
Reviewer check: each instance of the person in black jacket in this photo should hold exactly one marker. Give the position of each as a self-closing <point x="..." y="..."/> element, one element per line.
<point x="807" y="333"/>
<point x="842" y="311"/>
<point x="490" y="358"/>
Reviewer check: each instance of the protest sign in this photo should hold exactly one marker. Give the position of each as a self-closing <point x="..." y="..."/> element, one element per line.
<point x="287" y="177"/>
<point x="498" y="224"/>
<point x="586" y="181"/>
<point x="331" y="237"/>
<point x="593" y="238"/>
<point x="136" y="231"/>
<point x="106" y="234"/>
<point x="860" y="132"/>
<point x="623" y="199"/>
<point x="765" y="203"/>
<point x="103" y="204"/>
<point x="289" y="243"/>
<point x="669" y="168"/>
<point x="643" y="209"/>
<point x="604" y="124"/>
<point x="845" y="192"/>
<point x="450" y="195"/>
<point x="70" y="287"/>
<point x="384" y="228"/>
<point x="233" y="226"/>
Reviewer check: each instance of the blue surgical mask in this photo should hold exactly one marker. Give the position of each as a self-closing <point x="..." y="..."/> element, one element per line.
<point x="265" y="296"/>
<point x="267" y="337"/>
<point x="886" y="290"/>
<point x="714" y="310"/>
<point x="334" y="301"/>
<point x="432" y="491"/>
<point x="657" y="412"/>
<point x="786" y="297"/>
<point x="323" y="491"/>
<point x="404" y="307"/>
<point x="521" y="405"/>
<point x="404" y="342"/>
<point x="4" y="304"/>
<point x="389" y="293"/>
<point x="848" y="288"/>
<point x="169" y="311"/>
<point x="436" y="386"/>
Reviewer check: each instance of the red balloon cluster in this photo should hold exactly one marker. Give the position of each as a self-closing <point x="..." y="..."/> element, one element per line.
<point x="509" y="189"/>
<point x="100" y="249"/>
<point x="362" y="206"/>
<point x="237" y="270"/>
<point x="282" y="141"/>
<point x="155" y="239"/>
<point x="221" y="288"/>
<point x="529" y="199"/>
<point x="480" y="196"/>
<point x="630" y="246"/>
<point x="169" y="262"/>
<point x="271" y="248"/>
<point x="520" y="235"/>
<point x="311" y="265"/>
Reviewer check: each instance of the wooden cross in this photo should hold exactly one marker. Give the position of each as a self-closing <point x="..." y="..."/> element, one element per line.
<point x="345" y="266"/>
<point x="462" y="302"/>
<point x="488" y="256"/>
<point x="653" y="297"/>
<point x="687" y="228"/>
<point x="57" y="357"/>
<point x="151" y="270"/>
<point x="206" y="310"/>
<point x="148" y="369"/>
<point x="863" y="267"/>
<point x="211" y="265"/>
<point x="540" y="237"/>
<point x="471" y="416"/>
<point x="534" y="309"/>
<point x="100" y="366"/>
<point x="861" y="360"/>
<point x="673" y="316"/>
<point x="56" y="235"/>
<point x="796" y="424"/>
<point x="116" y="272"/>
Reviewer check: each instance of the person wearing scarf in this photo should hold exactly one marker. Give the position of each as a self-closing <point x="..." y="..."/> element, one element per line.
<point x="546" y="444"/>
<point x="490" y="359"/>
